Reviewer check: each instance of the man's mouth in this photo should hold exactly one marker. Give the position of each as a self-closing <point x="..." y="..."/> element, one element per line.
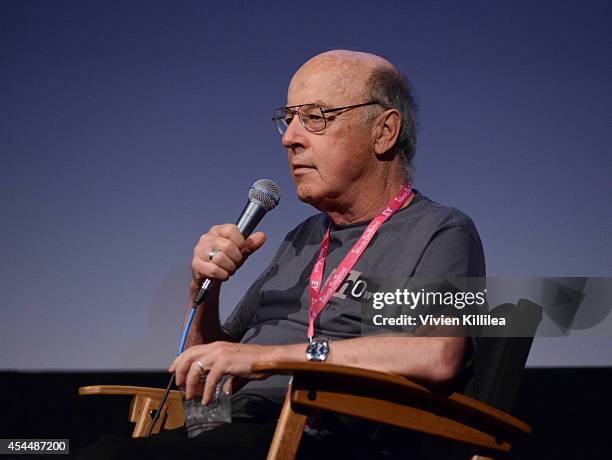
<point x="298" y="169"/>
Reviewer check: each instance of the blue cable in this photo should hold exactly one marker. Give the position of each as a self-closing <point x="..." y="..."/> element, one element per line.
<point x="181" y="348"/>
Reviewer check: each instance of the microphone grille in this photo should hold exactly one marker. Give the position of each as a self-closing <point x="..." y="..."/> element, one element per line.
<point x="265" y="193"/>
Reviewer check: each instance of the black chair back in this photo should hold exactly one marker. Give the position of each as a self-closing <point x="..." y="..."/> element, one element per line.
<point x="499" y="360"/>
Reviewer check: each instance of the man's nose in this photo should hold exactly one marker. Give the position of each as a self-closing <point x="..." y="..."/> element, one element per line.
<point x="292" y="133"/>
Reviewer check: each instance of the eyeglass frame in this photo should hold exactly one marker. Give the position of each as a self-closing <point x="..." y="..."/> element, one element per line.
<point x="323" y="112"/>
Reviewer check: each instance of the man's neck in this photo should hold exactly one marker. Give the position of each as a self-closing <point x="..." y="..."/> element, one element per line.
<point x="365" y="204"/>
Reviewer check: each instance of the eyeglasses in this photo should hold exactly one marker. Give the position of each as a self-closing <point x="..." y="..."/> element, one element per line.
<point x="312" y="116"/>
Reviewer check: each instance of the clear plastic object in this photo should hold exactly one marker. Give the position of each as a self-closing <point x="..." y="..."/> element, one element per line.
<point x="199" y="418"/>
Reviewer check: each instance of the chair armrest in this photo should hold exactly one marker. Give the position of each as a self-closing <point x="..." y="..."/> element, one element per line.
<point x="144" y="400"/>
<point x="127" y="391"/>
<point x="368" y="388"/>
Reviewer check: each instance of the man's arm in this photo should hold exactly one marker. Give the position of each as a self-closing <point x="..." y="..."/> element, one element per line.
<point x="434" y="360"/>
<point x="430" y="359"/>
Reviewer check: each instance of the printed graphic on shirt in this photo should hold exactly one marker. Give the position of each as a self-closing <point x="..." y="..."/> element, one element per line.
<point x="357" y="287"/>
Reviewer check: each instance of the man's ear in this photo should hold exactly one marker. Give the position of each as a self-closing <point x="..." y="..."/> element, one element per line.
<point x="387" y="131"/>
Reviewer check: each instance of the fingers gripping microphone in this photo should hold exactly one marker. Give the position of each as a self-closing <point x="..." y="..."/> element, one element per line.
<point x="264" y="195"/>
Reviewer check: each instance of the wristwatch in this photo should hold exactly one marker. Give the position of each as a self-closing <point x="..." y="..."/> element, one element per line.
<point x="317" y="350"/>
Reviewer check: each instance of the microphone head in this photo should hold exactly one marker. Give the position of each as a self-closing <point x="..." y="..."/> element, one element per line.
<point x="265" y="193"/>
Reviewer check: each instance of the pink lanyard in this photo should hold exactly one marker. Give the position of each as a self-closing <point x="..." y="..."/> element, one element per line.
<point x="318" y="298"/>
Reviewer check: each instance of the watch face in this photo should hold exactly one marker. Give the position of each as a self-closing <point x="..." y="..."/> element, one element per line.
<point x="317" y="350"/>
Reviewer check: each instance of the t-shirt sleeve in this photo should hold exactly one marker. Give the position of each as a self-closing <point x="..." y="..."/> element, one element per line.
<point x="455" y="252"/>
<point x="238" y="321"/>
<point x="453" y="261"/>
<point x="452" y="252"/>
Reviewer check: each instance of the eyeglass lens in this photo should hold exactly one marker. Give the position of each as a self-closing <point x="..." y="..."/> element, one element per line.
<point x="310" y="115"/>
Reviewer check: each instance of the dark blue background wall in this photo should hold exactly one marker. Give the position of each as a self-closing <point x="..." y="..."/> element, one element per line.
<point x="129" y="128"/>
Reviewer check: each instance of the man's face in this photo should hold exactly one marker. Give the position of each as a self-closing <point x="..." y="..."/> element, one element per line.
<point x="326" y="166"/>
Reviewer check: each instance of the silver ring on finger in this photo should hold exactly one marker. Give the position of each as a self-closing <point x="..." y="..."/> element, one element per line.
<point x="199" y="364"/>
<point x="212" y="253"/>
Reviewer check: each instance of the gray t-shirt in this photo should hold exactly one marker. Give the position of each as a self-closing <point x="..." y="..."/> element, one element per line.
<point x="424" y="239"/>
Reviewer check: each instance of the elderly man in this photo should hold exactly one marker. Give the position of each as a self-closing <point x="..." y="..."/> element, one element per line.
<point x="349" y="131"/>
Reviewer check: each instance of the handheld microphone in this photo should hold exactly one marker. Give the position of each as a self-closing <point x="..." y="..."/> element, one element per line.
<point x="264" y="195"/>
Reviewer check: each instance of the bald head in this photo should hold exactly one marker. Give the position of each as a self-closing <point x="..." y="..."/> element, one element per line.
<point x="348" y="60"/>
<point x="348" y="70"/>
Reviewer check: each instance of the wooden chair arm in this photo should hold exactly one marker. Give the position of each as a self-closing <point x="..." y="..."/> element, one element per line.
<point x="144" y="400"/>
<point x="397" y="401"/>
<point x="127" y="390"/>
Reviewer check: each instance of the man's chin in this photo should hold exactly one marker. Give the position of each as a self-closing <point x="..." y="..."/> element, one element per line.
<point x="306" y="195"/>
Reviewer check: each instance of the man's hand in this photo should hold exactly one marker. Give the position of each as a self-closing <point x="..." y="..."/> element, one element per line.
<point x="217" y="359"/>
<point x="232" y="249"/>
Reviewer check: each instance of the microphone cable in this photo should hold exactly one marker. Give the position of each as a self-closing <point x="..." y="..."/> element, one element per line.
<point x="181" y="348"/>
